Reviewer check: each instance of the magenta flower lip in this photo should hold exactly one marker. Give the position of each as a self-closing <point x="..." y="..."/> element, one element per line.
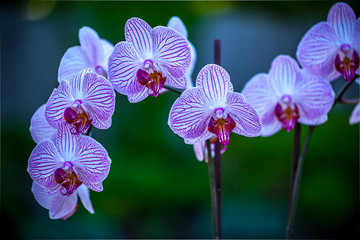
<point x="288" y="94"/>
<point x="212" y="109"/>
<point x="161" y="51"/>
<point x="330" y="49"/>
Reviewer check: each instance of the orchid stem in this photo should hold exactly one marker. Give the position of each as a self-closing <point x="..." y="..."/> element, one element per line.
<point x="349" y="101"/>
<point x="172" y="89"/>
<point x="297" y="165"/>
<point x="296" y="186"/>
<point x="211" y="169"/>
<point x="295" y="159"/>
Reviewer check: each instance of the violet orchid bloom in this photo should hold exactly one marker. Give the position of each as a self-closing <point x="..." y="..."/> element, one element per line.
<point x="212" y="109"/>
<point x="288" y="95"/>
<point x="62" y="167"/>
<point x="149" y="58"/>
<point x="87" y="99"/>
<point x="61" y="206"/>
<point x="93" y="52"/>
<point x="330" y="49"/>
<point x="355" y="114"/>
<point x="177" y="24"/>
<point x="40" y="129"/>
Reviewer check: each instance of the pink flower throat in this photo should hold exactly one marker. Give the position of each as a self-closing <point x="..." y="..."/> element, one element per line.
<point x="77" y="117"/>
<point x="221" y="126"/>
<point x="287" y="112"/>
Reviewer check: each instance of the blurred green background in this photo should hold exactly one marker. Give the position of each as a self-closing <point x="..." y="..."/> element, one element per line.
<point x="156" y="188"/>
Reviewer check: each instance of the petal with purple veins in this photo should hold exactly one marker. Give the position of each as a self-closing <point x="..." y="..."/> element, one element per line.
<point x="99" y="98"/>
<point x="137" y="32"/>
<point x="215" y="82"/>
<point x="59" y="100"/>
<point x="317" y="49"/>
<point x="314" y="97"/>
<point x="171" y="51"/>
<point x="123" y="66"/>
<point x="342" y="20"/>
<point x="283" y="74"/>
<point x="247" y="120"/>
<point x="189" y="115"/>
<point x="43" y="162"/>
<point x="92" y="161"/>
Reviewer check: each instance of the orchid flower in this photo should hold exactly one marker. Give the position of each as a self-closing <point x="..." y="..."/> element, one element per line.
<point x="62" y="167"/>
<point x="212" y="109"/>
<point x="330" y="49"/>
<point x="149" y="58"/>
<point x="40" y="129"/>
<point x="355" y="114"/>
<point x="59" y="205"/>
<point x="177" y="24"/>
<point x="288" y="95"/>
<point x="87" y="99"/>
<point x="93" y="52"/>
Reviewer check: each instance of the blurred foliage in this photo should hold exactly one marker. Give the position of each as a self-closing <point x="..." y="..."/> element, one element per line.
<point x="156" y="188"/>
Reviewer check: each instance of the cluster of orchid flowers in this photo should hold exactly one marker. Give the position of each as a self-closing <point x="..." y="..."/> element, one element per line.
<point x="68" y="162"/>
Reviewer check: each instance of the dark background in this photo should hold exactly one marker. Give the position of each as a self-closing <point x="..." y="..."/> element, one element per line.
<point x="156" y="188"/>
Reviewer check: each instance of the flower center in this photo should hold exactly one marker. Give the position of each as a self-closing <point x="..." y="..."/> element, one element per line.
<point x="221" y="126"/>
<point x="67" y="177"/>
<point x="150" y="78"/>
<point x="287" y="112"/>
<point x="347" y="62"/>
<point x="77" y="117"/>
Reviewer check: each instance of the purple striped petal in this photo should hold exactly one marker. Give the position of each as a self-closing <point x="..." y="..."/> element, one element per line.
<point x="59" y="100"/>
<point x="91" y="45"/>
<point x="189" y="115"/>
<point x="317" y="49"/>
<point x="84" y="195"/>
<point x="62" y="206"/>
<point x="71" y="63"/>
<point x="137" y="32"/>
<point x="247" y="121"/>
<point x="215" y="82"/>
<point x="98" y="97"/>
<point x="314" y="97"/>
<point x="342" y="20"/>
<point x="137" y="97"/>
<point x="40" y="129"/>
<point x="283" y="74"/>
<point x="92" y="161"/>
<point x="43" y="161"/>
<point x="66" y="143"/>
<point x="172" y="52"/>
<point x="123" y="66"/>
